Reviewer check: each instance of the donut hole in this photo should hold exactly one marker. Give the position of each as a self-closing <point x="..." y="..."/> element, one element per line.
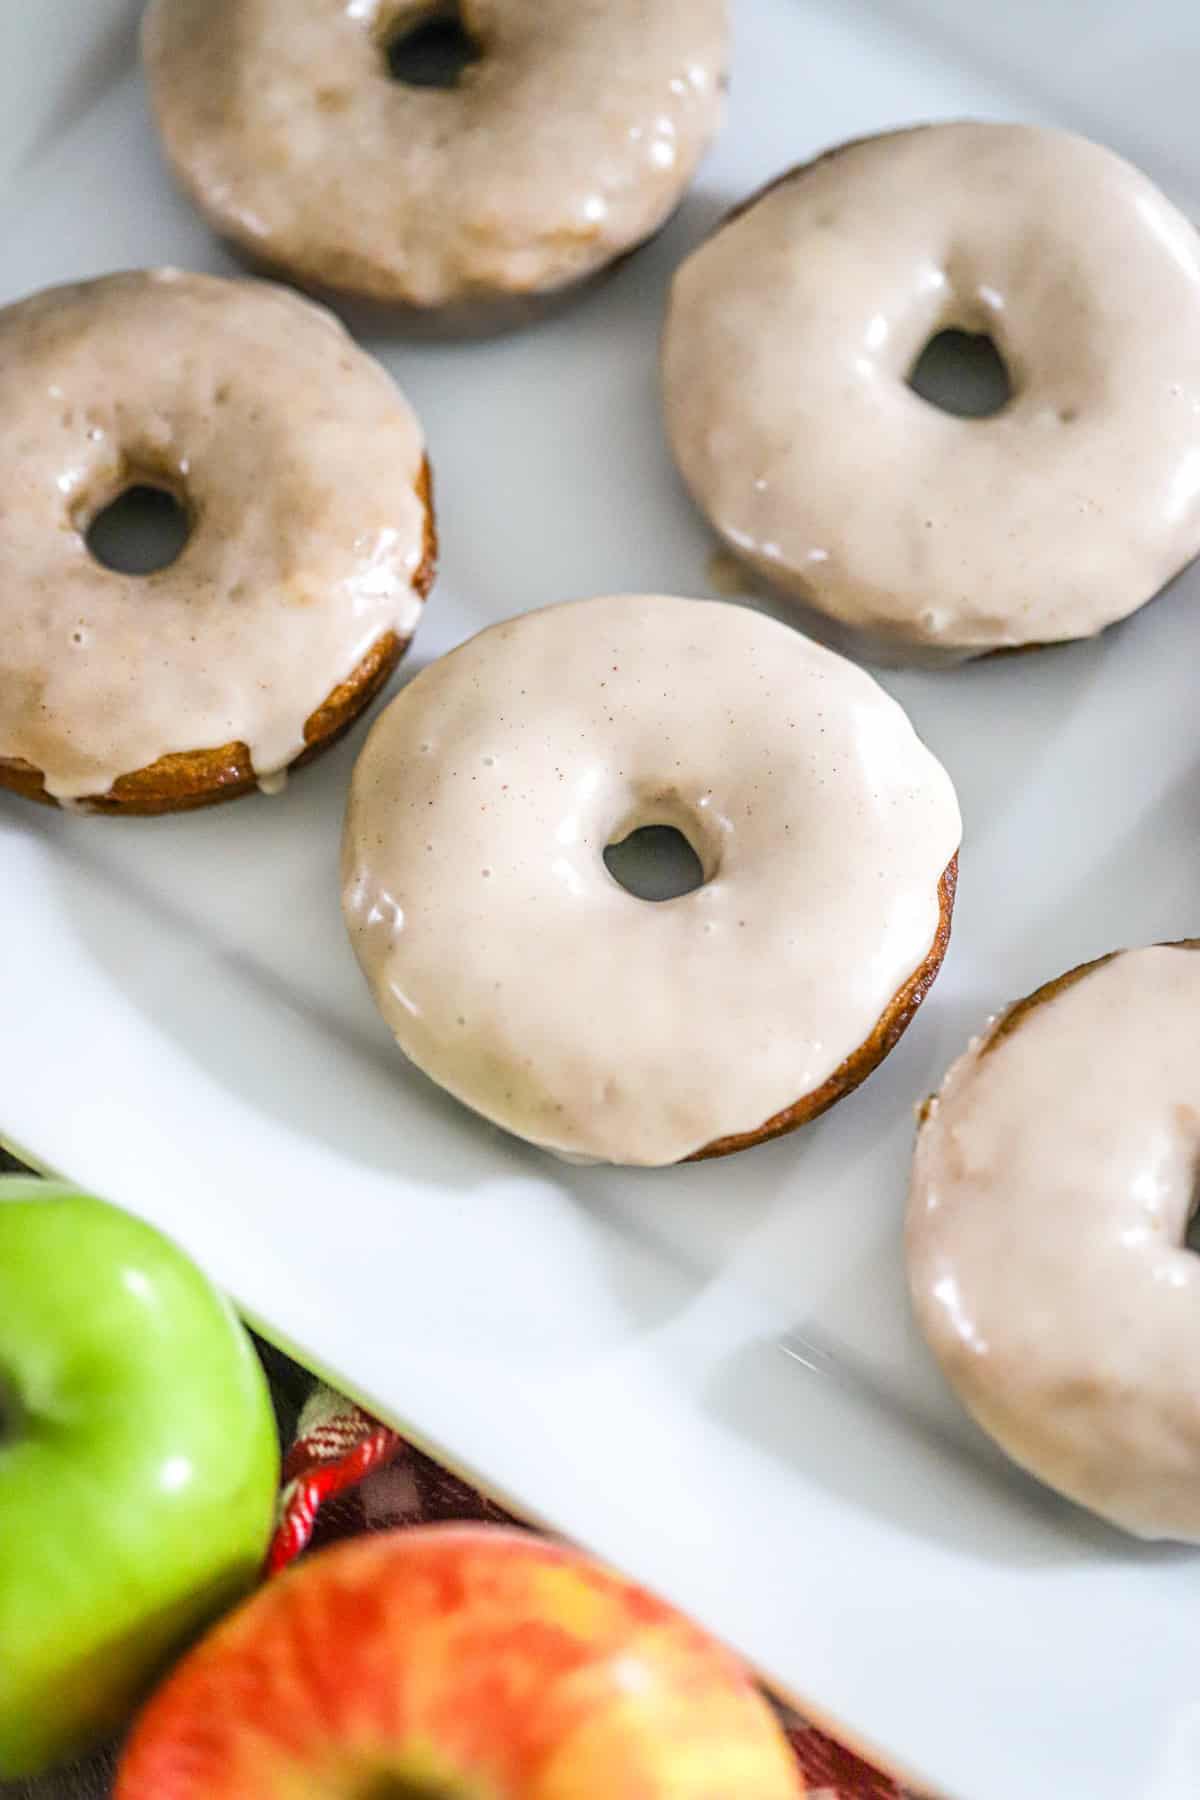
<point x="655" y="862"/>
<point x="962" y="373"/>
<point x="431" y="50"/>
<point x="144" y="529"/>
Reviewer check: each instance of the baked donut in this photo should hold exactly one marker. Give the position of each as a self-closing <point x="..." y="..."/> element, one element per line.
<point x="302" y="472"/>
<point x="514" y="969"/>
<point x="1054" y="1179"/>
<point x="565" y="143"/>
<point x="790" y="335"/>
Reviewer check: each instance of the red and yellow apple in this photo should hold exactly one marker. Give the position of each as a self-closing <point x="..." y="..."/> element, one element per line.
<point x="138" y="1465"/>
<point x="456" y="1663"/>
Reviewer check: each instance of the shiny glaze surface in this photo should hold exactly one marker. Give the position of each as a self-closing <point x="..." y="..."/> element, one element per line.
<point x="1053" y="1183"/>
<point x="512" y="967"/>
<point x="566" y="143"/>
<point x="791" y="333"/>
<point x="553" y="1324"/>
<point x="296" y="457"/>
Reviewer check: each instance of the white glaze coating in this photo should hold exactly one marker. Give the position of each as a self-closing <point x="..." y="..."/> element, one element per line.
<point x="1052" y="1186"/>
<point x="566" y="144"/>
<point x="791" y="333"/>
<point x="513" y="968"/>
<point x="297" y="457"/>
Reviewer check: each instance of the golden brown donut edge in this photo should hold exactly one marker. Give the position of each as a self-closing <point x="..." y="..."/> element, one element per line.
<point x="893" y="1022"/>
<point x="1019" y="1012"/>
<point x="184" y="780"/>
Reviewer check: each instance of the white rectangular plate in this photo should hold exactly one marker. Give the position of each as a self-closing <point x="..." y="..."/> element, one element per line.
<point x="708" y="1375"/>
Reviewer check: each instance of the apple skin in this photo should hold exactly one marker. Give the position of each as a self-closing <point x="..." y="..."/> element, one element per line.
<point x="461" y="1662"/>
<point x="139" y="1465"/>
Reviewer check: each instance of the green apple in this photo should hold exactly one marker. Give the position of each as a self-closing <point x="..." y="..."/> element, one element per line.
<point x="138" y="1465"/>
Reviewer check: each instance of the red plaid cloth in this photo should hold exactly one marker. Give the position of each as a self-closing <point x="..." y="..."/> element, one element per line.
<point x="347" y="1473"/>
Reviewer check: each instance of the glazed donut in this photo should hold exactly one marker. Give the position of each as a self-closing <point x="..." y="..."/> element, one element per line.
<point x="792" y="330"/>
<point x="512" y="967"/>
<point x="302" y="472"/>
<point x="565" y="144"/>
<point x="1052" y="1187"/>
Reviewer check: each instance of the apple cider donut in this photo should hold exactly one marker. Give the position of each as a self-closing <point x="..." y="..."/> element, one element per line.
<point x="517" y="972"/>
<point x="1053" y="1185"/>
<point x="302" y="473"/>
<point x="567" y="139"/>
<point x="791" y="335"/>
